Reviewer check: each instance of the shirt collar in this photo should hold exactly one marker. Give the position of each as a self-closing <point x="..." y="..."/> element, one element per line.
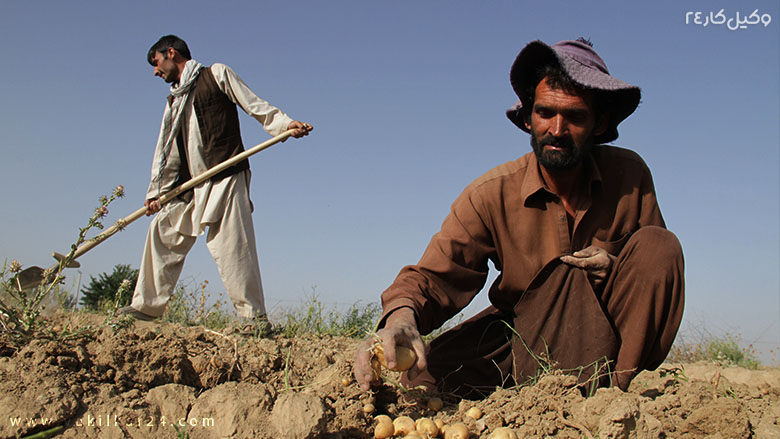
<point x="534" y="184"/>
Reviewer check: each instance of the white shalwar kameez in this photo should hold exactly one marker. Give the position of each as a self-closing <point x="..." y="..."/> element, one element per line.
<point x="224" y="206"/>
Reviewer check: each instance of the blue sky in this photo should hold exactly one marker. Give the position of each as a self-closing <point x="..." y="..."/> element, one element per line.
<point x="408" y="101"/>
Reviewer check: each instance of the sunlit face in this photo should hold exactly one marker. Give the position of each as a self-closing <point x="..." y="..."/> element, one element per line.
<point x="165" y="68"/>
<point x="562" y="127"/>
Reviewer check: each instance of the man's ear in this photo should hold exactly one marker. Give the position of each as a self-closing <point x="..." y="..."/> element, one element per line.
<point x="527" y="119"/>
<point x="170" y="53"/>
<point x="602" y="124"/>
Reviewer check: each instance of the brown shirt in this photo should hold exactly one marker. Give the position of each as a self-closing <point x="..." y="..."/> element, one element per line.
<point x="510" y="217"/>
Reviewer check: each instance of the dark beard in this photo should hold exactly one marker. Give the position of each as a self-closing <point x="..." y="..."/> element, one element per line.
<point x="571" y="155"/>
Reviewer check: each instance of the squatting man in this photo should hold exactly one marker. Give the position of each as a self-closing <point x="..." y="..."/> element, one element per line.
<point x="589" y="278"/>
<point x="200" y="129"/>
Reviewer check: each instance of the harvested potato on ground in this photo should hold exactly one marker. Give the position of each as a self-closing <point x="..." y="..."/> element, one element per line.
<point x="384" y="430"/>
<point x="435" y="404"/>
<point x="404" y="357"/>
<point x="427" y="427"/>
<point x="368" y="408"/>
<point x="503" y="433"/>
<point x="457" y="430"/>
<point x="474" y="413"/>
<point x="403" y="425"/>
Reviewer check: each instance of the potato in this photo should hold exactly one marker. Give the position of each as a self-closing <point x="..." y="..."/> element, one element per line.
<point x="376" y="367"/>
<point x="383" y="419"/>
<point x="345" y="381"/>
<point x="474" y="413"/>
<point x="503" y="433"/>
<point x="403" y="425"/>
<point x="404" y="357"/>
<point x="384" y="430"/>
<point x="427" y="428"/>
<point x="435" y="404"/>
<point x="368" y="408"/>
<point x="457" y="430"/>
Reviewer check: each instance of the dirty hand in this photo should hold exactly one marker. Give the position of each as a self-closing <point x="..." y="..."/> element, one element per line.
<point x="301" y="128"/>
<point x="152" y="206"/>
<point x="595" y="261"/>
<point x="400" y="329"/>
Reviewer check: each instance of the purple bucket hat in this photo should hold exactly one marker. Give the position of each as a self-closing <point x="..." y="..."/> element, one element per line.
<point x="584" y="66"/>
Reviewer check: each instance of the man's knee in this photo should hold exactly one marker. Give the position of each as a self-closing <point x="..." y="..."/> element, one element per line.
<point x="655" y="245"/>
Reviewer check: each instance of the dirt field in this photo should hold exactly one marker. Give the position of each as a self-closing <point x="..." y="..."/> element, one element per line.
<point x="154" y="379"/>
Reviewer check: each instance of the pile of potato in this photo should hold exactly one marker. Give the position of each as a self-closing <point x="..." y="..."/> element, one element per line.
<point x="426" y="428"/>
<point x="423" y="428"/>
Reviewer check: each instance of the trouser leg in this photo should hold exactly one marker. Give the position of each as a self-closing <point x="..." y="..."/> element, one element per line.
<point x="232" y="245"/>
<point x="161" y="265"/>
<point x="644" y="297"/>
<point x="471" y="359"/>
<point x="557" y="322"/>
<point x="560" y="324"/>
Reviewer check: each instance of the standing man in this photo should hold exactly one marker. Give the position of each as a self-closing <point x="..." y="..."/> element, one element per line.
<point x="590" y="281"/>
<point x="200" y="130"/>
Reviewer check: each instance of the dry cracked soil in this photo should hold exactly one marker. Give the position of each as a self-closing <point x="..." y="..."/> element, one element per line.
<point x="159" y="380"/>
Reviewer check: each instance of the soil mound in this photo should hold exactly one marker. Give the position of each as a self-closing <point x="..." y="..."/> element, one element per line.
<point x="158" y="380"/>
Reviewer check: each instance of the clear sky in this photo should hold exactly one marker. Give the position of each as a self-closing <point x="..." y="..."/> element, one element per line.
<point x="408" y="101"/>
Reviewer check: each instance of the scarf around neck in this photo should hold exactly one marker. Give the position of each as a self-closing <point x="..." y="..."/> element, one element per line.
<point x="171" y="125"/>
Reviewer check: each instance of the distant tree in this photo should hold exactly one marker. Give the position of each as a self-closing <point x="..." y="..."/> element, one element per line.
<point x="104" y="289"/>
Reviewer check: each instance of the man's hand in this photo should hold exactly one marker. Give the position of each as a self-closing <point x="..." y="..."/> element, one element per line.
<point x="595" y="261"/>
<point x="152" y="206"/>
<point x="301" y="128"/>
<point x="400" y="329"/>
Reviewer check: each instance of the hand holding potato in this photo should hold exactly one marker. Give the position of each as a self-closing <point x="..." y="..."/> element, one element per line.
<point x="400" y="330"/>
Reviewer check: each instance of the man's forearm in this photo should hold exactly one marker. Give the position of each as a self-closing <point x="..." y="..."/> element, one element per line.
<point x="401" y="316"/>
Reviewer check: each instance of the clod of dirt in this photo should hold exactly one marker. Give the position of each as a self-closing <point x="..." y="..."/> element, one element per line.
<point x="237" y="410"/>
<point x="619" y="419"/>
<point x="172" y="399"/>
<point x="307" y="411"/>
<point x="35" y="407"/>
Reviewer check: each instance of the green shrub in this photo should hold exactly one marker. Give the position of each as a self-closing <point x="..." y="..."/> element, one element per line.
<point x="703" y="346"/>
<point x="104" y="291"/>
<point x="313" y="317"/>
<point x="188" y="307"/>
<point x="726" y="350"/>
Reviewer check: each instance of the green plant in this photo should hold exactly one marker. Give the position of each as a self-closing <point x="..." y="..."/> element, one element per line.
<point x="104" y="290"/>
<point x="181" y="433"/>
<point x="21" y="306"/>
<point x="313" y="317"/>
<point x="700" y="345"/>
<point x="726" y="351"/>
<point x="675" y="373"/>
<point x="190" y="307"/>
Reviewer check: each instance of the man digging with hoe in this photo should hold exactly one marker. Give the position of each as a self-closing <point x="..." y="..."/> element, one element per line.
<point x="590" y="282"/>
<point x="200" y="130"/>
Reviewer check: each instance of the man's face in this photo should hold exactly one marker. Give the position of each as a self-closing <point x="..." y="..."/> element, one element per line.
<point x="164" y="67"/>
<point x="562" y="127"/>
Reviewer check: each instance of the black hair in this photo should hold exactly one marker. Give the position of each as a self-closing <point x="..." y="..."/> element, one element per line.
<point x="166" y="42"/>
<point x="558" y="79"/>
